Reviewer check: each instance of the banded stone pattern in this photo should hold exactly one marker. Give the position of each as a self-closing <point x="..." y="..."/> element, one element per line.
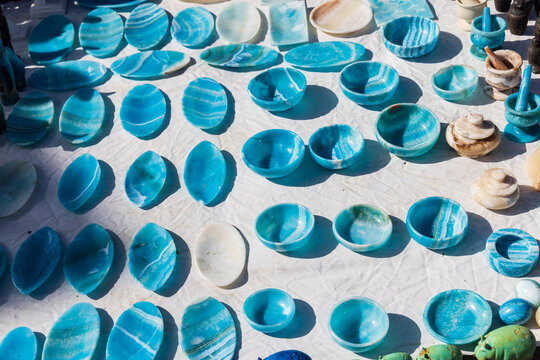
<point x="69" y="75"/>
<point x="193" y="27"/>
<point x="82" y="116"/>
<point x="205" y="103"/>
<point x="146" y="26"/>
<point x="101" y="32"/>
<point x="30" y="118"/>
<point x="240" y="56"/>
<point x="149" y="65"/>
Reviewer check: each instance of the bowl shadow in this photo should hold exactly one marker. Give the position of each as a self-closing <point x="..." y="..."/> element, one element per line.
<point x="316" y="102"/>
<point x="181" y="270"/>
<point x="303" y="322"/>
<point x="475" y="239"/>
<point x="117" y="267"/>
<point x="321" y="243"/>
<point x="309" y="173"/>
<point x="172" y="185"/>
<point x="399" y="239"/>
<point x="169" y="345"/>
<point x="373" y="159"/>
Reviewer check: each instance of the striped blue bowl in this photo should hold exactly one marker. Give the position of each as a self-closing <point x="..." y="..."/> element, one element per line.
<point x="410" y="36"/>
<point x="455" y="82"/>
<point x="512" y="252"/>
<point x="369" y="82"/>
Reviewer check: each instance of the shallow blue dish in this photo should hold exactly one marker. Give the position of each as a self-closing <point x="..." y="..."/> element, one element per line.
<point x="150" y="65"/>
<point x="277" y="89"/>
<point x="82" y="116"/>
<point x="143" y="111"/>
<point x="480" y="39"/>
<point x="336" y="146"/>
<point x="285" y="227"/>
<point x="88" y="259"/>
<point x="193" y="27"/>
<point x="269" y="310"/>
<point x="79" y="182"/>
<point x="145" y="179"/>
<point x="410" y="36"/>
<point x="152" y="256"/>
<point x="51" y="40"/>
<point x="205" y="103"/>
<point x="146" y="26"/>
<point x="74" y="335"/>
<point x="358" y="324"/>
<point x="325" y="56"/>
<point x="101" y="32"/>
<point x="455" y="82"/>
<point x="437" y="222"/>
<point x="515" y="312"/>
<point x="273" y="153"/>
<point x="36" y="260"/>
<point x="17" y="183"/>
<point x="369" y="82"/>
<point x="407" y="130"/>
<point x="19" y="344"/>
<point x="288" y="355"/>
<point x="512" y="252"/>
<point x="30" y="118"/>
<point x="288" y="23"/>
<point x="240" y="56"/>
<point x="457" y="316"/>
<point x="69" y="75"/>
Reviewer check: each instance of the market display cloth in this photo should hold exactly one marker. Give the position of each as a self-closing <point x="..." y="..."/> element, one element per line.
<point x="402" y="277"/>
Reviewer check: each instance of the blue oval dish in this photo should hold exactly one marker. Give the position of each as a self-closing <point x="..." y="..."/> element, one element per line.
<point x="152" y="256"/>
<point x="76" y="333"/>
<point x="285" y="227"/>
<point x="512" y="252"/>
<point x="51" y="40"/>
<point x="145" y="179"/>
<point x="273" y="153"/>
<point x="193" y="27"/>
<point x="146" y="26"/>
<point x="205" y="103"/>
<point x="369" y="82"/>
<point x="101" y="32"/>
<point x="515" y="312"/>
<point x="79" y="182"/>
<point x="407" y="130"/>
<point x="457" y="316"/>
<point x="88" y="259"/>
<point x="30" y="118"/>
<point x="150" y="65"/>
<point x="288" y="355"/>
<point x="455" y="82"/>
<point x="19" y="344"/>
<point x="240" y="56"/>
<point x="437" y="222"/>
<point x="358" y="324"/>
<point x="410" y="36"/>
<point x="17" y="183"/>
<point x="325" y="56"/>
<point x="35" y="260"/>
<point x="336" y="146"/>
<point x="277" y="89"/>
<point x="82" y="116"/>
<point x="269" y="310"/>
<point x="143" y="111"/>
<point x="69" y="75"/>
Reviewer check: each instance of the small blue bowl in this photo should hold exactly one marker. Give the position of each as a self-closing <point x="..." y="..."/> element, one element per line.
<point x="437" y="222"/>
<point x="285" y="227"/>
<point x="277" y="89"/>
<point x="410" y="36"/>
<point x="358" y="324"/>
<point x="369" y="82"/>
<point x="515" y="312"/>
<point x="455" y="82"/>
<point x="336" y="146"/>
<point x="362" y="228"/>
<point x="273" y="153"/>
<point x="407" y="130"/>
<point x="269" y="310"/>
<point x="457" y="316"/>
<point x="527" y="118"/>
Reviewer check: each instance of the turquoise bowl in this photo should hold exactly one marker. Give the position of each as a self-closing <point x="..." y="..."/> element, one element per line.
<point x="336" y="146"/>
<point x="437" y="222"/>
<point x="410" y="36"/>
<point x="358" y="324"/>
<point x="285" y="227"/>
<point x="273" y="153"/>
<point x="362" y="228"/>
<point x="145" y="179"/>
<point x="407" y="130"/>
<point x="269" y="310"/>
<point x="79" y="182"/>
<point x="512" y="252"/>
<point x="527" y="118"/>
<point x="480" y="39"/>
<point x="369" y="82"/>
<point x="19" y="343"/>
<point x="455" y="82"/>
<point x="278" y="89"/>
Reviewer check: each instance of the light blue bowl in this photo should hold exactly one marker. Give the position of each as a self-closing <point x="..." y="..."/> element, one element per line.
<point x="19" y="343"/>
<point x="143" y="111"/>
<point x="407" y="130"/>
<point x="336" y="146"/>
<point x="515" y="312"/>
<point x="437" y="222"/>
<point x="51" y="40"/>
<point x="410" y="36"/>
<point x="285" y="227"/>
<point x="455" y="82"/>
<point x="146" y="26"/>
<point x="193" y="27"/>
<point x="277" y="89"/>
<point x="481" y="39"/>
<point x="79" y="182"/>
<point x="358" y="324"/>
<point x="362" y="228"/>
<point x="527" y="118"/>
<point x="145" y="179"/>
<point x="269" y="310"/>
<point x="273" y="153"/>
<point x="457" y="316"/>
<point x="369" y="82"/>
<point x="205" y="103"/>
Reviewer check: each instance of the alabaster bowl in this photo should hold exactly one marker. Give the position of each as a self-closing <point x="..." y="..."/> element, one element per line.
<point x="277" y="89"/>
<point x="362" y="228"/>
<point x="410" y="36"/>
<point x="407" y="130"/>
<point x="527" y="118"/>
<point x="455" y="82"/>
<point x="369" y="82"/>
<point x="269" y="310"/>
<point x="285" y="227"/>
<point x="512" y="252"/>
<point x="358" y="324"/>
<point x="437" y="222"/>
<point x="273" y="153"/>
<point x="336" y="146"/>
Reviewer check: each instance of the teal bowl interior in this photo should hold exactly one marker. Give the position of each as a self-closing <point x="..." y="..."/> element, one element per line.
<point x="454" y="79"/>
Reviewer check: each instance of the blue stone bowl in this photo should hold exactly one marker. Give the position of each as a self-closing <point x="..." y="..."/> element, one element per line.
<point x="512" y="252"/>
<point x="407" y="130"/>
<point x="362" y="228"/>
<point x="369" y="82"/>
<point x="515" y="312"/>
<point x="277" y="89"/>
<point x="79" y="182"/>
<point x="285" y="227"/>
<point x="336" y="146"/>
<point x="437" y="222"/>
<point x="193" y="27"/>
<point x="143" y="111"/>
<point x="527" y="118"/>
<point x="358" y="324"/>
<point x="269" y="310"/>
<point x="410" y="36"/>
<point x="273" y="153"/>
<point x="481" y="39"/>
<point x="205" y="103"/>
<point x="455" y="82"/>
<point x="19" y="343"/>
<point x="145" y="179"/>
<point x="457" y="316"/>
